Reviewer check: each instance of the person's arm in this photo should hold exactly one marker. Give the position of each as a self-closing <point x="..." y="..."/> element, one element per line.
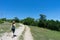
<point x="14" y="25"/>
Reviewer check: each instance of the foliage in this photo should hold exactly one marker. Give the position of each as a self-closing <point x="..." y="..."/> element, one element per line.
<point x="16" y="19"/>
<point x="50" y="24"/>
<point x="1" y="21"/>
<point x="41" y="22"/>
<point x="28" y="21"/>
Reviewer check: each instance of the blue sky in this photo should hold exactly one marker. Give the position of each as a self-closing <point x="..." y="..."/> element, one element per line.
<point x="30" y="8"/>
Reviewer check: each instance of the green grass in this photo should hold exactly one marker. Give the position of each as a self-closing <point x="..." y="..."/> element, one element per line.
<point x="6" y="27"/>
<point x="44" y="34"/>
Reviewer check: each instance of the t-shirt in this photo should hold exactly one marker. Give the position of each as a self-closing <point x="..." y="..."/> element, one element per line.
<point x="13" y="26"/>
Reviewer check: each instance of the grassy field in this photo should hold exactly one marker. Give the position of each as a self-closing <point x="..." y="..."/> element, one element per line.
<point x="6" y="27"/>
<point x="44" y="34"/>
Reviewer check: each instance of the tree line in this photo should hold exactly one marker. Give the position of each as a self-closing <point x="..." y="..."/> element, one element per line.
<point x="41" y="22"/>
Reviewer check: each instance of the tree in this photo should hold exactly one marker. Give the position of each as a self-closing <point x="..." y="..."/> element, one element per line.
<point x="3" y="19"/>
<point x="42" y="20"/>
<point x="16" y="19"/>
<point x="28" y="21"/>
<point x="42" y="17"/>
<point x="9" y="20"/>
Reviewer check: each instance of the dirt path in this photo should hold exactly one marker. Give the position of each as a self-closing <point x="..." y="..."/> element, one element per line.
<point x="18" y="32"/>
<point x="28" y="35"/>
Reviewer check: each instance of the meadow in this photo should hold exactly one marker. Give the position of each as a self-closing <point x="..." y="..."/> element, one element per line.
<point x="44" y="34"/>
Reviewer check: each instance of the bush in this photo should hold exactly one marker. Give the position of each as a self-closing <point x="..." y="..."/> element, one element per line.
<point x="1" y="21"/>
<point x="29" y="21"/>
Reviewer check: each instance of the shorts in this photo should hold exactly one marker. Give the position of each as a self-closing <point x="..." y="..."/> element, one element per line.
<point x="13" y="29"/>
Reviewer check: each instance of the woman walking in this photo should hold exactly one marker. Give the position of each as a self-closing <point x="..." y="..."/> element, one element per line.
<point x="13" y="27"/>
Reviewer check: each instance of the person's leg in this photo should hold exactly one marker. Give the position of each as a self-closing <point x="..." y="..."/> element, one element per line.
<point x="13" y="31"/>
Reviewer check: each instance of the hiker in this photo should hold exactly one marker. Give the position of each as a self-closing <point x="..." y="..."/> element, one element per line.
<point x="13" y="27"/>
